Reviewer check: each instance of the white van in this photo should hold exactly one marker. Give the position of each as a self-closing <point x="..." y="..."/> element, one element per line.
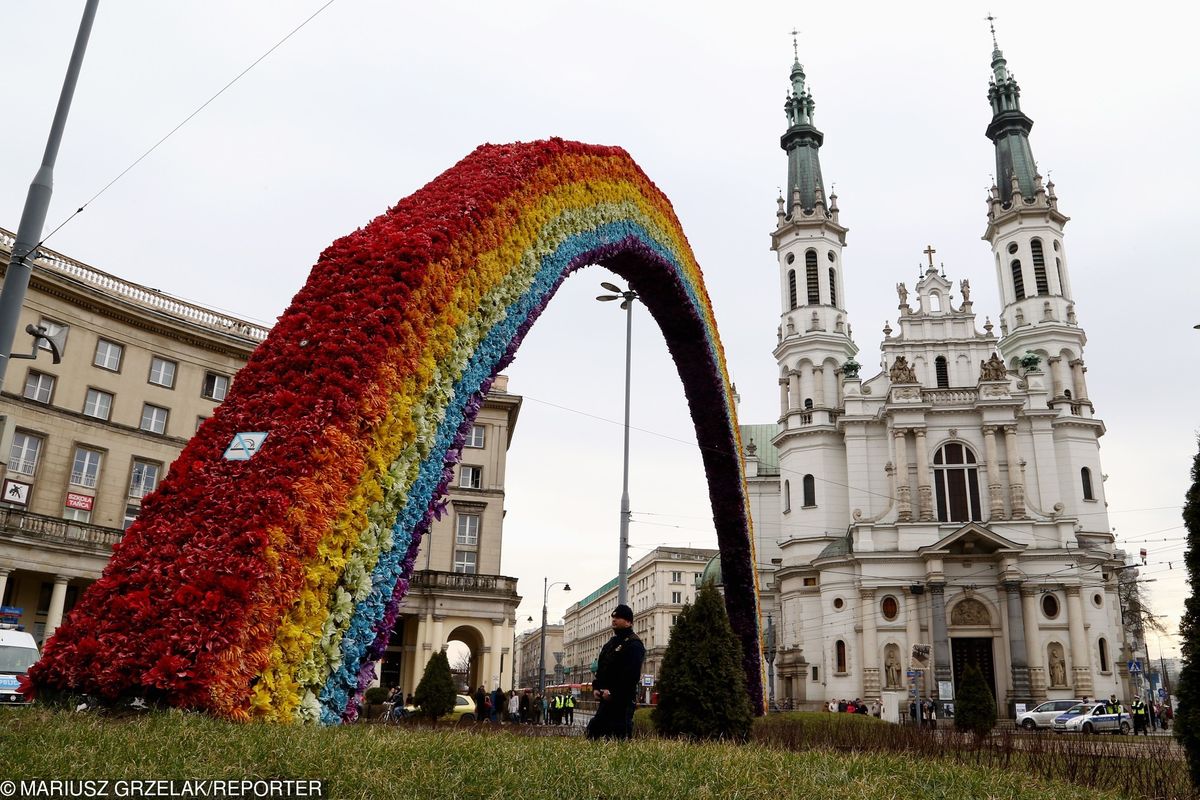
<point x="18" y="652"/>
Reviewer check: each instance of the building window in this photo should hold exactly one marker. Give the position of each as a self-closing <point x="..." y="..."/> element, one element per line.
<point x="840" y="655"/>
<point x="470" y="477"/>
<point x="143" y="479"/>
<point x="816" y="673"/>
<point x="956" y="483"/>
<point x="810" y="581"/>
<point x="77" y="514"/>
<point x="467" y="529"/>
<point x="1018" y="279"/>
<point x="215" y="386"/>
<point x="154" y="418"/>
<point x="792" y="298"/>
<point x="1039" y="267"/>
<point x="162" y="372"/>
<point x="787" y="496"/>
<point x="674" y="619"/>
<point x="53" y="329"/>
<point x="1062" y="284"/>
<point x="839" y="603"/>
<point x="676" y="597"/>
<point x="131" y="513"/>
<point x="1104" y="665"/>
<point x="935" y="301"/>
<point x="943" y="372"/>
<point x="810" y="273"/>
<point x="1050" y="606"/>
<point x="23" y="457"/>
<point x="200" y="421"/>
<point x="86" y="468"/>
<point x="1085" y="475"/>
<point x="832" y="286"/>
<point x="890" y="608"/>
<point x="810" y="491"/>
<point x="108" y="355"/>
<point x="98" y="404"/>
<point x="676" y="577"/>
<point x="464" y="562"/>
<point x="476" y="437"/>
<point x="39" y="387"/>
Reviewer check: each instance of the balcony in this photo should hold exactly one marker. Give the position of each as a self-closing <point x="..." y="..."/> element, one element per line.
<point x="14" y="522"/>
<point x="435" y="581"/>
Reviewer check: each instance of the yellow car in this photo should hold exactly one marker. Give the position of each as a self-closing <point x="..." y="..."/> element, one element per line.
<point x="464" y="711"/>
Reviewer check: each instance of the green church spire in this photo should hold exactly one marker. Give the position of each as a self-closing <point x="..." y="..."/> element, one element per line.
<point x="1009" y="129"/>
<point x="801" y="142"/>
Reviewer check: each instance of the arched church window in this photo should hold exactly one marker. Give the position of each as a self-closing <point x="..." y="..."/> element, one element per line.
<point x="1018" y="279"/>
<point x="1062" y="285"/>
<point x="889" y="607"/>
<point x="792" y="288"/>
<point x="840" y="656"/>
<point x="810" y="274"/>
<point x="1050" y="606"/>
<point x="956" y="483"/>
<point x="1104" y="666"/>
<point x="935" y="301"/>
<point x="808" y="404"/>
<point x="832" y="287"/>
<point x="1039" y="267"/>
<point x="943" y="372"/>
<point x="1085" y="476"/>
<point x="787" y="496"/>
<point x="810" y="491"/>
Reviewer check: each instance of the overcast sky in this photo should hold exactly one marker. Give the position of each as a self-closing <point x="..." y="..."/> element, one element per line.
<point x="373" y="99"/>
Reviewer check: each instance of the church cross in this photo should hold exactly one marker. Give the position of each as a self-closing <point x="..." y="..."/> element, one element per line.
<point x="929" y="251"/>
<point x="991" y="20"/>
<point x="795" y="45"/>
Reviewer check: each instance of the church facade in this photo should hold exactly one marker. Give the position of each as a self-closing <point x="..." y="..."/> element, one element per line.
<point x="949" y="510"/>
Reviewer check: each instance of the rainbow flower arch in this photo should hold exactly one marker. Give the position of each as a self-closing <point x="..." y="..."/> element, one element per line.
<point x="267" y="588"/>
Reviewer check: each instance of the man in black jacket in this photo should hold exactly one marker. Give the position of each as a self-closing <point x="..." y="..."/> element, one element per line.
<point x="615" y="687"/>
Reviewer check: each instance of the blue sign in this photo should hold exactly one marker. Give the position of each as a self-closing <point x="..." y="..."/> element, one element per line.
<point x="912" y="673"/>
<point x="1135" y="667"/>
<point x="244" y="445"/>
<point x="1162" y="693"/>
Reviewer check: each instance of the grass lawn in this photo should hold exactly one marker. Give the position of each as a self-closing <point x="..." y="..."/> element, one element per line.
<point x="376" y="761"/>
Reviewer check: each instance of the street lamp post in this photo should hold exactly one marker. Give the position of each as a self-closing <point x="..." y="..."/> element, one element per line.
<point x="770" y="663"/>
<point x="542" y="658"/>
<point x="626" y="296"/>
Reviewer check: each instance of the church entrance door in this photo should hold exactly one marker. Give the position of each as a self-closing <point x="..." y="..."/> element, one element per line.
<point x="975" y="650"/>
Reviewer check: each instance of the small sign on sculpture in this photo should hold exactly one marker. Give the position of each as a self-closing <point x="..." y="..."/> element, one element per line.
<point x="245" y="445"/>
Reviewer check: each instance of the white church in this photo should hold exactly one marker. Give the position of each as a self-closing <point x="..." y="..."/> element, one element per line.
<point x="952" y="503"/>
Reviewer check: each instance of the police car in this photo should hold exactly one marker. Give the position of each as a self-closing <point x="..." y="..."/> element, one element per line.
<point x="1092" y="718"/>
<point x="18" y="652"/>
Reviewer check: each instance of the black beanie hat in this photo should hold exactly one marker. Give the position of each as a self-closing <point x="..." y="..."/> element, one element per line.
<point x="624" y="612"/>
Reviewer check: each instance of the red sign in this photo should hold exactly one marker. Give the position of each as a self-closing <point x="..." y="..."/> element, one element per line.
<point x="81" y="501"/>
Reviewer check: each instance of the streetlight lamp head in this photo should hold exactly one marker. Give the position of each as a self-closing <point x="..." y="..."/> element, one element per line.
<point x="567" y="588"/>
<point x="610" y="287"/>
<point x="604" y="298"/>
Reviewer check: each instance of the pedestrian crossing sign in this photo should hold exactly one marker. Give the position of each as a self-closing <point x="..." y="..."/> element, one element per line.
<point x="1135" y="667"/>
<point x="244" y="445"/>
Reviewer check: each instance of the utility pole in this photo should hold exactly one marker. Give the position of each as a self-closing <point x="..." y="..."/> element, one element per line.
<point x="37" y="202"/>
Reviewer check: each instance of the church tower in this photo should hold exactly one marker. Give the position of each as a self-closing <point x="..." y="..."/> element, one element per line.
<point x="1025" y="231"/>
<point x="813" y="338"/>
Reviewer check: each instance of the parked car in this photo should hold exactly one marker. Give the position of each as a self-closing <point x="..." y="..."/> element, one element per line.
<point x="18" y="652"/>
<point x="1043" y="716"/>
<point x="1092" y="718"/>
<point x="464" y="711"/>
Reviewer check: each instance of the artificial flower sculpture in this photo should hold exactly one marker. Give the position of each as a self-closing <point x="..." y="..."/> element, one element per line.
<point x="267" y="588"/>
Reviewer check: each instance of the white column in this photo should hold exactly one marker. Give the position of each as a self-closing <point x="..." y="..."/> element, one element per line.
<point x="1080" y="663"/>
<point x="1033" y="645"/>
<point x="1056" y="381"/>
<point x="4" y="573"/>
<point x="58" y="598"/>
<point x="497" y="643"/>
<point x="819" y="387"/>
<point x="806" y="384"/>
<point x="924" y="477"/>
<point x="783" y="396"/>
<point x="870" y="644"/>
<point x="995" y="498"/>
<point x="1016" y="481"/>
<point x="903" y="492"/>
<point x="1077" y="370"/>
<point x="794" y="400"/>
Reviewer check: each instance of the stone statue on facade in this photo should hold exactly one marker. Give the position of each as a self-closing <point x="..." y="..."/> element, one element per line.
<point x="892" y="668"/>
<point x="1058" y="669"/>
<point x="901" y="372"/>
<point x="965" y="287"/>
<point x="902" y="291"/>
<point x="993" y="369"/>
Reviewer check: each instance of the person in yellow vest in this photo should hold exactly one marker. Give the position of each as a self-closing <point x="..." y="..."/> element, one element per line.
<point x="569" y="707"/>
<point x="1137" y="709"/>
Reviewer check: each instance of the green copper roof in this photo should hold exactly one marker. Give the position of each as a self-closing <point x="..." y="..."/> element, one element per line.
<point x="1009" y="131"/>
<point x="608" y="587"/>
<point x="768" y="456"/>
